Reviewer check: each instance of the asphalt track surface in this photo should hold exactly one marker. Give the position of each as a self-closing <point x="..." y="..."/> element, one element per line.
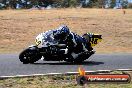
<point x="11" y="66"/>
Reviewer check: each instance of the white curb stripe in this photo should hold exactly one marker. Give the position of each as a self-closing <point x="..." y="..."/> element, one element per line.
<point x="54" y="73"/>
<point x="67" y="73"/>
<point x="90" y="71"/>
<point x="104" y="70"/>
<point x="72" y="73"/>
<point x="124" y="69"/>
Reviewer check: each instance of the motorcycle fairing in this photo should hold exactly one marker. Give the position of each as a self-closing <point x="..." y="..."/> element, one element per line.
<point x="46" y="39"/>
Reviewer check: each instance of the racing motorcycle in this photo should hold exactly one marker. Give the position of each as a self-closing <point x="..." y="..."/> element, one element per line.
<point x="52" y="51"/>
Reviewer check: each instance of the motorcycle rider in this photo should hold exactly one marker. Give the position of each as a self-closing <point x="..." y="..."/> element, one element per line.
<point x="74" y="42"/>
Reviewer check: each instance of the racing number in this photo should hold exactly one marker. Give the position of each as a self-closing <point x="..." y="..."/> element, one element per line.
<point x="94" y="40"/>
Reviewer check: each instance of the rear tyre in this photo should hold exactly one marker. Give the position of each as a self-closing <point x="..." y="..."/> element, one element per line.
<point x="29" y="56"/>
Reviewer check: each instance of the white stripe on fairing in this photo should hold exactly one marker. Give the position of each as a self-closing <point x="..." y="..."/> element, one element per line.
<point x="66" y="50"/>
<point x="42" y="58"/>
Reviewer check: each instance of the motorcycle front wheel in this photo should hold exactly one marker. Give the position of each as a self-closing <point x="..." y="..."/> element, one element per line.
<point x="29" y="56"/>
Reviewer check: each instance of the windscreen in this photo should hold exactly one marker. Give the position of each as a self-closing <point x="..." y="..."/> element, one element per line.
<point x="49" y="39"/>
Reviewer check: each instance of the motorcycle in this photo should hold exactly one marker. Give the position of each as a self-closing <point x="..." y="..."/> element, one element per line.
<point x="52" y="51"/>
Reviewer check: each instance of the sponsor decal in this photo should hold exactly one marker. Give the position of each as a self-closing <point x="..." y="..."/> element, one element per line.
<point x="102" y="77"/>
<point x="108" y="78"/>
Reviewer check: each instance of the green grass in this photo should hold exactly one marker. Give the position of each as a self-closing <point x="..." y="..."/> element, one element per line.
<point x="57" y="81"/>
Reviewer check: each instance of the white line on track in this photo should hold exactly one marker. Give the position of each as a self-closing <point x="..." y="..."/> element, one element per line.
<point x="67" y="73"/>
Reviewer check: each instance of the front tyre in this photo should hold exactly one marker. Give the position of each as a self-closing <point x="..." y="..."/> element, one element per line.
<point x="29" y="56"/>
<point x="72" y="59"/>
<point x="83" y="56"/>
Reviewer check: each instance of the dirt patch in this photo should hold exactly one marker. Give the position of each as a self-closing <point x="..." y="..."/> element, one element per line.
<point x="20" y="27"/>
<point x="126" y="34"/>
